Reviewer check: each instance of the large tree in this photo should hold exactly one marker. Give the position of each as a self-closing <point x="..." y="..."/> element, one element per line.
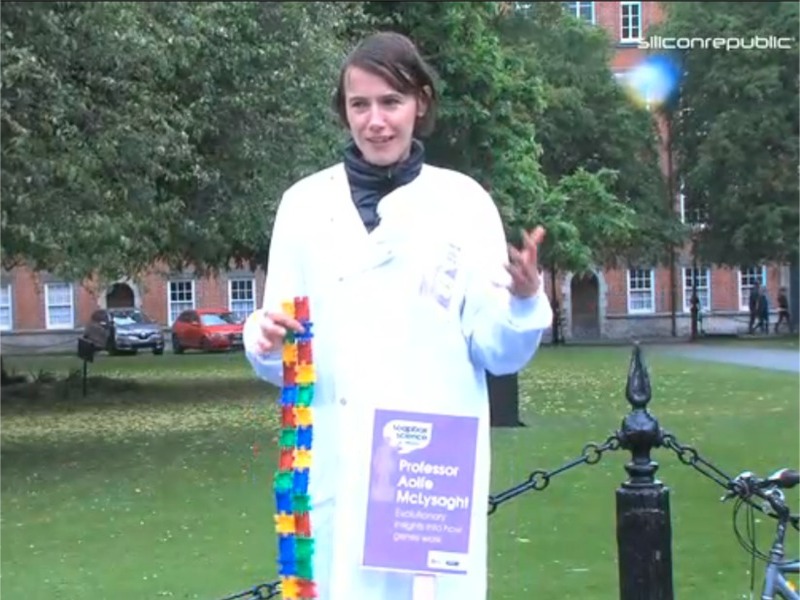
<point x="487" y="128"/>
<point x="134" y="132"/>
<point x="587" y="122"/>
<point x="736" y="128"/>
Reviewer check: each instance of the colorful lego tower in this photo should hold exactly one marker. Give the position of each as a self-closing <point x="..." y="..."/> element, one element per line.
<point x="293" y="504"/>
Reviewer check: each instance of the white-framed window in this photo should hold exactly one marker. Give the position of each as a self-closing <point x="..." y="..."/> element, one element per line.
<point x="242" y="297"/>
<point x="582" y="10"/>
<point x="703" y="288"/>
<point x="630" y="14"/>
<point x="641" y="291"/>
<point x="59" y="306"/>
<point x="181" y="297"/>
<point x="6" y="313"/>
<point x="692" y="213"/>
<point x="750" y="277"/>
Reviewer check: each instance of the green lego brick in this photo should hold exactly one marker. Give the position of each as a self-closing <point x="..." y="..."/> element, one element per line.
<point x="304" y="549"/>
<point x="284" y="481"/>
<point x="304" y="569"/>
<point x="305" y="395"/>
<point x="288" y="438"/>
<point x="301" y="503"/>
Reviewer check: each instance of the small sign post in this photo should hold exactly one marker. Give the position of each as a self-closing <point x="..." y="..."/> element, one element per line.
<point x="86" y="354"/>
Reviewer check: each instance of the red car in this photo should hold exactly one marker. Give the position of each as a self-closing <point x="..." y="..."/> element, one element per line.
<point x="206" y="329"/>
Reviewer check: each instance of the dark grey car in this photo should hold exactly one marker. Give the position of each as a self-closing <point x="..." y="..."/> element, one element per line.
<point x="124" y="330"/>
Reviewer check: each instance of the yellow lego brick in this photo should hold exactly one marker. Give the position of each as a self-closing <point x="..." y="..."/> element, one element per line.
<point x="284" y="523"/>
<point x="302" y="459"/>
<point x="288" y="308"/>
<point x="290" y="589"/>
<point x="305" y="374"/>
<point x="303" y="416"/>
<point x="290" y="353"/>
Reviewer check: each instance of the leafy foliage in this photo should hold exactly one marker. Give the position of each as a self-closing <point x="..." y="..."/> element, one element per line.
<point x="134" y="132"/>
<point x="141" y="132"/>
<point x="586" y="122"/>
<point x="488" y="127"/>
<point x="736" y="130"/>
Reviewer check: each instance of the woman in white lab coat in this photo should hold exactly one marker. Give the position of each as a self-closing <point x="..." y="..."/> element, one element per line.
<point x="414" y="294"/>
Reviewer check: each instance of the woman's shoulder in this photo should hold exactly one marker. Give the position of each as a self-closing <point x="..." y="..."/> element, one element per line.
<point x="459" y="191"/>
<point x="300" y="198"/>
<point x="443" y="176"/>
<point x="312" y="182"/>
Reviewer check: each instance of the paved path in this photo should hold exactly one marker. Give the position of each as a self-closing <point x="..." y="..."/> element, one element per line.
<point x="764" y="358"/>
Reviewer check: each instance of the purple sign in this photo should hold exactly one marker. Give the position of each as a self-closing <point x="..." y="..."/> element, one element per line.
<point x="420" y="492"/>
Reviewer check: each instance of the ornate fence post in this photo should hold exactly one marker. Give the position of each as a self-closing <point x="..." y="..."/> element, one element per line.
<point x="644" y="533"/>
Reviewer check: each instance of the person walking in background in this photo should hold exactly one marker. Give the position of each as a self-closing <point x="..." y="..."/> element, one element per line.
<point x="783" y="311"/>
<point x="762" y="310"/>
<point x="753" y="305"/>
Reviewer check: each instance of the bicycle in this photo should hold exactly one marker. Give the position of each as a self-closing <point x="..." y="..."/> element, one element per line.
<point x="744" y="487"/>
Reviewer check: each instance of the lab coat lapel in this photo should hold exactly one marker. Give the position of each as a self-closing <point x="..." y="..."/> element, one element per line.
<point x="357" y="249"/>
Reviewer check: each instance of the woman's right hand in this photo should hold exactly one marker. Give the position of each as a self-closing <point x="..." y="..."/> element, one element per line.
<point x="264" y="331"/>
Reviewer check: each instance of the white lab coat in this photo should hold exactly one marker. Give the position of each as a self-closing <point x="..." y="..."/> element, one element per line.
<point x="382" y="340"/>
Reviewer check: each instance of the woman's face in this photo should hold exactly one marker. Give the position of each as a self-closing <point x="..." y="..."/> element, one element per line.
<point x="381" y="119"/>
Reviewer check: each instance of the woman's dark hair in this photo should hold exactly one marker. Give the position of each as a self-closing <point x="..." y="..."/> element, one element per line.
<point x="394" y="58"/>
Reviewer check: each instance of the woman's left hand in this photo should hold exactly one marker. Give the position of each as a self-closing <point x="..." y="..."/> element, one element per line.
<point x="524" y="266"/>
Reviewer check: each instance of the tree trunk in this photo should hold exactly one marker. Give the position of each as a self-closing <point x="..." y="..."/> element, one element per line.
<point x="556" y="305"/>
<point x="794" y="292"/>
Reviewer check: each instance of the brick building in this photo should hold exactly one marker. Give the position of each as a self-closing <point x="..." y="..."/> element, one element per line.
<point x="41" y="311"/>
<point x="638" y="301"/>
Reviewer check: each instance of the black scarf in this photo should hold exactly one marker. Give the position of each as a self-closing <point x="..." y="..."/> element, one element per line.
<point x="369" y="183"/>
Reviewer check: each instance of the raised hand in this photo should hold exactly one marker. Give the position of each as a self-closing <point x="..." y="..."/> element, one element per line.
<point x="524" y="265"/>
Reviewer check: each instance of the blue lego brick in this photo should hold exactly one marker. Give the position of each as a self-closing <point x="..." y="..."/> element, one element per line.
<point x="305" y="437"/>
<point x="300" y="482"/>
<point x="308" y="331"/>
<point x="283" y="502"/>
<point x="286" y="546"/>
<point x="287" y="567"/>
<point x="289" y="395"/>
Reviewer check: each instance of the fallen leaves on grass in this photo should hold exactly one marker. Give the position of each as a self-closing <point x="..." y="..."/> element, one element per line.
<point x="118" y="409"/>
<point x="121" y="423"/>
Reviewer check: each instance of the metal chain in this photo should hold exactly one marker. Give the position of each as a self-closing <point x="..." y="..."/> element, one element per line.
<point x="540" y="479"/>
<point x="690" y="456"/>
<point x="263" y="591"/>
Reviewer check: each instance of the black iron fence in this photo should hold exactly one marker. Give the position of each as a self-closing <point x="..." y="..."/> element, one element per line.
<point x="644" y="535"/>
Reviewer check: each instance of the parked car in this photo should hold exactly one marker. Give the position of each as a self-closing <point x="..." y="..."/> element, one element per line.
<point x="124" y="330"/>
<point x="206" y="329"/>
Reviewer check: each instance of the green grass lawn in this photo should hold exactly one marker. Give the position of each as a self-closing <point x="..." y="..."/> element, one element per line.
<point x="158" y="484"/>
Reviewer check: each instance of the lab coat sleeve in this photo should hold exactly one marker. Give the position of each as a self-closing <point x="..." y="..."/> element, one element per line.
<point x="283" y="282"/>
<point x="502" y="331"/>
